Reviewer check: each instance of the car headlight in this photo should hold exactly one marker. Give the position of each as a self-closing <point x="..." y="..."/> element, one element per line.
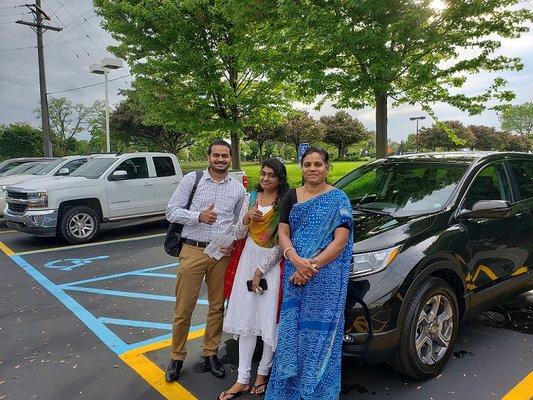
<point x="372" y="262"/>
<point x="3" y="190"/>
<point x="38" y="199"/>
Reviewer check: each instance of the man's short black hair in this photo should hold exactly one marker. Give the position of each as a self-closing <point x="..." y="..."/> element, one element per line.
<point x="218" y="142"/>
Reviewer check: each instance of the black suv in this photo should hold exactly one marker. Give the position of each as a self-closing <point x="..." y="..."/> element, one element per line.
<point x="438" y="238"/>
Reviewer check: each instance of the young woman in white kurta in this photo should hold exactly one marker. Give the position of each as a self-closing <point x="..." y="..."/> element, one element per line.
<point x="252" y="314"/>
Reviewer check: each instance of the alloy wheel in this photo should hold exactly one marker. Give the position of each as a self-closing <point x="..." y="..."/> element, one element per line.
<point x="81" y="225"/>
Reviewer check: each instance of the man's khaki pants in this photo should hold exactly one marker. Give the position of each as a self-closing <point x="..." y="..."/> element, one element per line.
<point x="193" y="266"/>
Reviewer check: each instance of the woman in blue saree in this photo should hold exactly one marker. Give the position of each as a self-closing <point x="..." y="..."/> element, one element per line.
<point x="315" y="233"/>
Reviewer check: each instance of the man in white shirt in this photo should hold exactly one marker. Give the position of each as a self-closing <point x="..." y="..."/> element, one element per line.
<point x="214" y="209"/>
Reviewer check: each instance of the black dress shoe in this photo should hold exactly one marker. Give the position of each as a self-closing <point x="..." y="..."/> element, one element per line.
<point x="173" y="370"/>
<point x="214" y="366"/>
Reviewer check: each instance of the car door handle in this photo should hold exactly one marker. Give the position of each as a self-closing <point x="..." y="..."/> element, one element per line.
<point x="175" y="182"/>
<point x="148" y="184"/>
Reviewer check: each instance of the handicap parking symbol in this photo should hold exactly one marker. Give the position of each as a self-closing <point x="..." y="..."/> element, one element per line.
<point x="68" y="264"/>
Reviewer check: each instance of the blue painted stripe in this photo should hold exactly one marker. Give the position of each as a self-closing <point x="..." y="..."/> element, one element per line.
<point x="113" y="276"/>
<point x="135" y="295"/>
<point x="154" y="275"/>
<point x="137" y="324"/>
<point x="116" y="344"/>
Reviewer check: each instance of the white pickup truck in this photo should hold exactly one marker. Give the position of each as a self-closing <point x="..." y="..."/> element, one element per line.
<point x="110" y="187"/>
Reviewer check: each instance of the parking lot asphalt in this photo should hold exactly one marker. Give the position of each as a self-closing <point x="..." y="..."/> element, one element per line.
<point x="93" y="322"/>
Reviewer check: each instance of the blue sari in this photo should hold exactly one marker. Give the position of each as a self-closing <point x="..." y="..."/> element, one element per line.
<point x="307" y="364"/>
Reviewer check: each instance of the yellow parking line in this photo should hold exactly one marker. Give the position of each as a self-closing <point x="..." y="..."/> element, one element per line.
<point x="7" y="251"/>
<point x="77" y="246"/>
<point x="151" y="372"/>
<point x="522" y="391"/>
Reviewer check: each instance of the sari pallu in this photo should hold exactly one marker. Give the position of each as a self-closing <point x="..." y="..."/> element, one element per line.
<point x="308" y="356"/>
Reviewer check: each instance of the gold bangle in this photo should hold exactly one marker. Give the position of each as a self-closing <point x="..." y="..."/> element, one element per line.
<point x="286" y="250"/>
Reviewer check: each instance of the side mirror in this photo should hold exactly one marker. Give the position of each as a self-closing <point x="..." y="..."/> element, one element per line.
<point x="487" y="209"/>
<point x="118" y="175"/>
<point x="63" y="171"/>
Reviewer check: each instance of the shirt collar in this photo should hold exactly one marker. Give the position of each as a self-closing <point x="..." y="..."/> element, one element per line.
<point x="207" y="176"/>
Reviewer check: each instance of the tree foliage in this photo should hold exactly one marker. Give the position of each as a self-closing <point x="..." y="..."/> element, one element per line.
<point x="299" y="128"/>
<point x="367" y="52"/>
<point x="20" y="140"/>
<point x="447" y="135"/>
<point x="129" y="128"/>
<point x="198" y="67"/>
<point x="341" y="130"/>
<point x="518" y="119"/>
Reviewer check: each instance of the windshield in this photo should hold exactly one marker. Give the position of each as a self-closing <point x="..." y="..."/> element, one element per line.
<point x="26" y="168"/>
<point x="95" y="168"/>
<point x="402" y="189"/>
<point x="49" y="167"/>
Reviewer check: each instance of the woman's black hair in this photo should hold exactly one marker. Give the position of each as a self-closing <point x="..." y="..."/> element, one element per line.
<point x="323" y="153"/>
<point x="281" y="173"/>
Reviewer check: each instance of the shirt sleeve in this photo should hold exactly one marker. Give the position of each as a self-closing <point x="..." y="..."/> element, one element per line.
<point x="241" y="230"/>
<point x="286" y="206"/>
<point x="272" y="258"/>
<point x="176" y="211"/>
<point x="239" y="206"/>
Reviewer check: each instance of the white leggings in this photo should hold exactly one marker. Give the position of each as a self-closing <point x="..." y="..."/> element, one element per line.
<point x="246" y="352"/>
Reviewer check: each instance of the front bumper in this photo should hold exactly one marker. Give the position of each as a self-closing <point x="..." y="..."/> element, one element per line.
<point x="35" y="222"/>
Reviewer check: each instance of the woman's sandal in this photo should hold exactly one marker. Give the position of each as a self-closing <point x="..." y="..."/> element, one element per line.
<point x="233" y="395"/>
<point x="256" y="387"/>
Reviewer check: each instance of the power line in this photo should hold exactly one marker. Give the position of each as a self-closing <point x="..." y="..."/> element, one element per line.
<point x="18" y="48"/>
<point x="3" y="8"/>
<point x="61" y="6"/>
<point x="70" y="30"/>
<point x="14" y="15"/>
<point x="88" y="86"/>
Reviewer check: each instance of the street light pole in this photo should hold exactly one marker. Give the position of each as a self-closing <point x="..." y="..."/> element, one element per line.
<point x="417" y="118"/>
<point x="103" y="69"/>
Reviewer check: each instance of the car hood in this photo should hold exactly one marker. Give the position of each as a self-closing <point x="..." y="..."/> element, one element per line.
<point x="12" y="179"/>
<point x="54" y="183"/>
<point x="376" y="231"/>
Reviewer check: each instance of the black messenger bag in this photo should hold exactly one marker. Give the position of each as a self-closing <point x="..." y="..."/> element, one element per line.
<point x="173" y="239"/>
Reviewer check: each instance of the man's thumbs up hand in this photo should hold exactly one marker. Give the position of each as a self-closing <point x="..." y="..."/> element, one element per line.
<point x="208" y="216"/>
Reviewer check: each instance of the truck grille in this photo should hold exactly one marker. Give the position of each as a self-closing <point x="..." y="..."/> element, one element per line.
<point x="16" y="208"/>
<point x="17" y="195"/>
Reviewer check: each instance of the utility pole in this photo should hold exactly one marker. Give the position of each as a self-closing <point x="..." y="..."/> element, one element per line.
<point x="38" y="27"/>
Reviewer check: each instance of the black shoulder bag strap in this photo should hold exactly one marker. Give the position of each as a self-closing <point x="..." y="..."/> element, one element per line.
<point x="173" y="240"/>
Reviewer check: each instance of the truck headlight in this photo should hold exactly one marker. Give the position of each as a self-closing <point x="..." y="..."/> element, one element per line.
<point x="38" y="199"/>
<point x="372" y="262"/>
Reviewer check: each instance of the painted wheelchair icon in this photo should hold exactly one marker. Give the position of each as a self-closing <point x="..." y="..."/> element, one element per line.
<point x="68" y="264"/>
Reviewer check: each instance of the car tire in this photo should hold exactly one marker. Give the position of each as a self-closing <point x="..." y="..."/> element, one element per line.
<point x="431" y="322"/>
<point x="79" y="224"/>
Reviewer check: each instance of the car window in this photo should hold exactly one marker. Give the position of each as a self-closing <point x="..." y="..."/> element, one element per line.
<point x="164" y="166"/>
<point x="136" y="168"/>
<point x="489" y="184"/>
<point x="73" y="165"/>
<point x="20" y="169"/>
<point x="49" y="167"/>
<point x="94" y="168"/>
<point x="402" y="188"/>
<point x="523" y="173"/>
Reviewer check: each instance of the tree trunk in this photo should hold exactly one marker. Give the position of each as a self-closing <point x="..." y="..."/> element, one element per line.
<point x="235" y="150"/>
<point x="342" y="152"/>
<point x="381" y="124"/>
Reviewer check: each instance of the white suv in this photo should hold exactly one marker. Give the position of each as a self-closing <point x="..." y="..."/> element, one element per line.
<point x="110" y="187"/>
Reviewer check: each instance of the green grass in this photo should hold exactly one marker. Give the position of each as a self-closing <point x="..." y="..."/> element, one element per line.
<point x="294" y="175"/>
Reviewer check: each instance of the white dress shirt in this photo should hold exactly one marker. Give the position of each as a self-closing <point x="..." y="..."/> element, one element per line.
<point x="228" y="196"/>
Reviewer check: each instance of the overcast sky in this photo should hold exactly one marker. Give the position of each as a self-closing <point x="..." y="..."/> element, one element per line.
<point x="82" y="42"/>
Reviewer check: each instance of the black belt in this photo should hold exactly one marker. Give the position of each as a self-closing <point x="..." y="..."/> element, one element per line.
<point x="195" y="243"/>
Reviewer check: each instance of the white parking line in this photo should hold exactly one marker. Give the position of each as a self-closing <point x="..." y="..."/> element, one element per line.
<point x="12" y="231"/>
<point x="78" y="246"/>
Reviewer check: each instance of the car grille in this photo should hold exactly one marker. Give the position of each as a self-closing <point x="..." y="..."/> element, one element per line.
<point x="17" y="195"/>
<point x="16" y="208"/>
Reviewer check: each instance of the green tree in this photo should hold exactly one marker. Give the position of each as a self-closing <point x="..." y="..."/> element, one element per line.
<point x="516" y="142"/>
<point x="487" y="138"/>
<point x="446" y="135"/>
<point x="260" y="135"/>
<point x="518" y="119"/>
<point x="128" y="127"/>
<point x="20" y="140"/>
<point x="299" y="127"/>
<point x="341" y="130"/>
<point x="198" y="67"/>
<point x="369" y="53"/>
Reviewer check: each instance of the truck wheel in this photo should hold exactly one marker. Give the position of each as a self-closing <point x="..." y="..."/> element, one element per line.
<point x="429" y="330"/>
<point x="79" y="224"/>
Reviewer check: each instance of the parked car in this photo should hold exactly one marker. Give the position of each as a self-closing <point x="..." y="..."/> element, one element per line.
<point x="25" y="168"/>
<point x="108" y="188"/>
<point x="13" y="162"/>
<point x="438" y="238"/>
<point x="55" y="167"/>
